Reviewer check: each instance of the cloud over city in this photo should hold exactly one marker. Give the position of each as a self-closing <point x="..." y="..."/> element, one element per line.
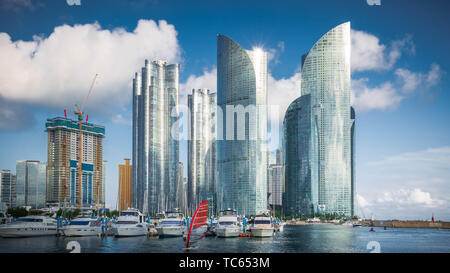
<point x="56" y="71"/>
<point x="407" y="185"/>
<point x="370" y="55"/>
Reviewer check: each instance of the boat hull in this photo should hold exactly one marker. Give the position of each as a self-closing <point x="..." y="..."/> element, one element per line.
<point x="170" y="231"/>
<point x="81" y="231"/>
<point x="129" y="231"/>
<point x="17" y="232"/>
<point x="227" y="232"/>
<point x="262" y="232"/>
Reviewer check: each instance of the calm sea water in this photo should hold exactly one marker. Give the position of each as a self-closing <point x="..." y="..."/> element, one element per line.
<point x="318" y="238"/>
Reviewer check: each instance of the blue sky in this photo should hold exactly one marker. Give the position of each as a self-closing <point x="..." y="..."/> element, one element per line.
<point x="49" y="52"/>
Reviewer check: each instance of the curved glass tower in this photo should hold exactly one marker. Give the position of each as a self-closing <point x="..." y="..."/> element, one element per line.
<point x="241" y="159"/>
<point x="319" y="176"/>
<point x="155" y="150"/>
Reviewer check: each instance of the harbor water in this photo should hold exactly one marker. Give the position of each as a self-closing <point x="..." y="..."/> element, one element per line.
<point x="306" y="239"/>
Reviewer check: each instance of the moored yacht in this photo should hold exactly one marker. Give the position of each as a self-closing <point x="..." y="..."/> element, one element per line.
<point x="228" y="224"/>
<point x="82" y="226"/>
<point x="172" y="225"/>
<point x="262" y="227"/>
<point x="29" y="226"/>
<point x="130" y="223"/>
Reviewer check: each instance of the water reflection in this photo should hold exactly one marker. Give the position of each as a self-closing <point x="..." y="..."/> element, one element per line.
<point x="310" y="239"/>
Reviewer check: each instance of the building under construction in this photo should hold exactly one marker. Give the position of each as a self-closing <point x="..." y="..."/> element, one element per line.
<point x="62" y="162"/>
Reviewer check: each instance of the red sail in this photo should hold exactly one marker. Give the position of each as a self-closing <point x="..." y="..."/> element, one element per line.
<point x="199" y="220"/>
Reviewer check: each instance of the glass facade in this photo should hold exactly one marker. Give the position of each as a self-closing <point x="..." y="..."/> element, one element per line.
<point x="318" y="131"/>
<point x="241" y="162"/>
<point x="275" y="186"/>
<point x="202" y="105"/>
<point x="30" y="183"/>
<point x="7" y="188"/>
<point x="155" y="149"/>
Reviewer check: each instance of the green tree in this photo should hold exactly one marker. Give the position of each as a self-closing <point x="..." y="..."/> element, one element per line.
<point x="17" y="212"/>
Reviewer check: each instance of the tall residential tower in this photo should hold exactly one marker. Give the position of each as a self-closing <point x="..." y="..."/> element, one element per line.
<point x="241" y="127"/>
<point x="318" y="131"/>
<point x="62" y="162"/>
<point x="202" y="147"/>
<point x="155" y="145"/>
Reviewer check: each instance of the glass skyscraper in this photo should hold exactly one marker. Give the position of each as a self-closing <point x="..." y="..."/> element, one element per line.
<point x="318" y="131"/>
<point x="31" y="183"/>
<point x="155" y="147"/>
<point x="202" y="105"/>
<point x="241" y="137"/>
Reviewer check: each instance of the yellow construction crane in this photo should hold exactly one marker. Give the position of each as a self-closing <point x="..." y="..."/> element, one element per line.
<point x="80" y="114"/>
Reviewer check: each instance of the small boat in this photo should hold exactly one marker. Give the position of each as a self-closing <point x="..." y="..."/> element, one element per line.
<point x="262" y="227"/>
<point x="171" y="226"/>
<point x="356" y="224"/>
<point x="228" y="224"/>
<point x="29" y="226"/>
<point x="82" y="226"/>
<point x="151" y="230"/>
<point x="130" y="223"/>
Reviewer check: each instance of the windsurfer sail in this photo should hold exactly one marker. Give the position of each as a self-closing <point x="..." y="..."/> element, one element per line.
<point x="198" y="225"/>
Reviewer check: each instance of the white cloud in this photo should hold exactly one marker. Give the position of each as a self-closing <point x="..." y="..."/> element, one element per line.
<point x="273" y="54"/>
<point x="409" y="197"/>
<point x="119" y="119"/>
<point x="434" y="75"/>
<point x="389" y="95"/>
<point x="56" y="71"/>
<point x="413" y="80"/>
<point x="207" y="80"/>
<point x="410" y="185"/>
<point x="382" y="97"/>
<point x="283" y="92"/>
<point x="409" y="79"/>
<point x="361" y="201"/>
<point x="369" y="54"/>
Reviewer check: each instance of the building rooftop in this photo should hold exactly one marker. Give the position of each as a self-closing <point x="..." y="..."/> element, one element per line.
<point x="60" y="122"/>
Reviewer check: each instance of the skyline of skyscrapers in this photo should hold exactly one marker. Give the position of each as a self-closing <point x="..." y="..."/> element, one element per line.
<point x="228" y="163"/>
<point x="202" y="104"/>
<point x="318" y="131"/>
<point x="242" y="128"/>
<point x="62" y="162"/>
<point x="155" y="146"/>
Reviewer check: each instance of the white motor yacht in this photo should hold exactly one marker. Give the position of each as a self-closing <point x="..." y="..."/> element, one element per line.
<point x="29" y="226"/>
<point x="262" y="227"/>
<point x="82" y="226"/>
<point x="130" y="223"/>
<point x="228" y="224"/>
<point x="171" y="226"/>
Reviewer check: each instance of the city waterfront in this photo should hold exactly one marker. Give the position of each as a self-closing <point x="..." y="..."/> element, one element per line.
<point x="294" y="239"/>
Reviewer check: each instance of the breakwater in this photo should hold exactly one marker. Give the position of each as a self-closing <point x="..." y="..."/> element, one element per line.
<point x="406" y="224"/>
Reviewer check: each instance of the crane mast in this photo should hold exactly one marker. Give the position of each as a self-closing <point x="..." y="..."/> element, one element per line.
<point x="80" y="114"/>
